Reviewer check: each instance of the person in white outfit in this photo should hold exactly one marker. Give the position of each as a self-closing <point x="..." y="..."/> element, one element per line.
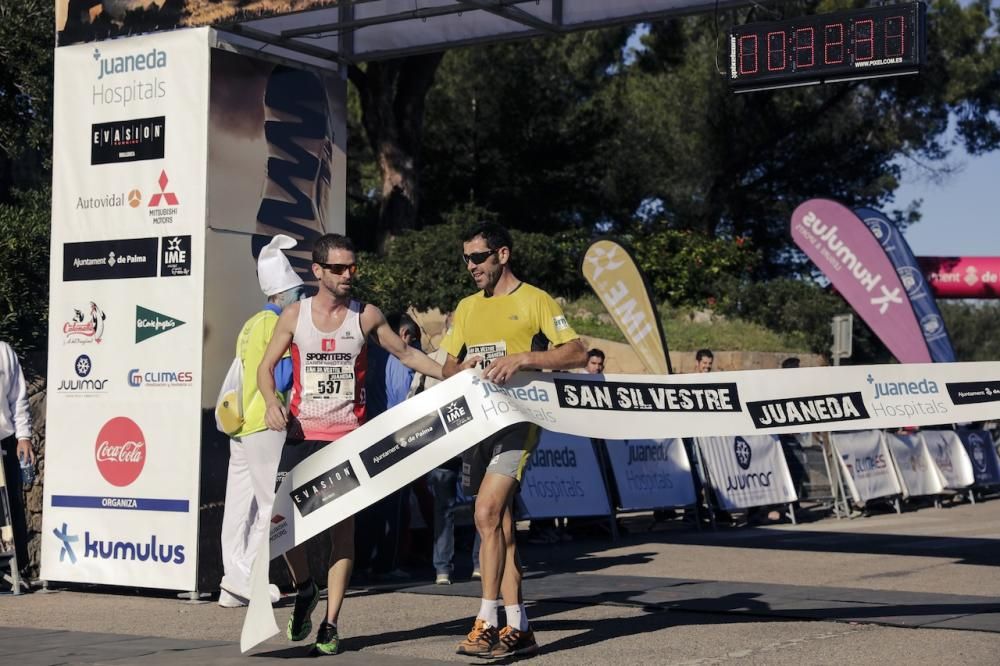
<point x="255" y="451"/>
<point x="15" y="439"/>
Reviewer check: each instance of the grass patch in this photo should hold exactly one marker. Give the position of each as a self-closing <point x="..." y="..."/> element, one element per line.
<point x="589" y="318"/>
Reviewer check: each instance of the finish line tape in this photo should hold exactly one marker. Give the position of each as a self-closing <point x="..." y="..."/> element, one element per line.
<point x="424" y="432"/>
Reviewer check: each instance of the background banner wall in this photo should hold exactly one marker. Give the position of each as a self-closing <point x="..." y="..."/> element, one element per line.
<point x="842" y="247"/>
<point x="985" y="466"/>
<point x="950" y="457"/>
<point x="910" y="275"/>
<point x="123" y="409"/>
<point x="866" y="462"/>
<point x="651" y="473"/>
<point x="917" y="472"/>
<point x="563" y="479"/>
<point x="747" y="471"/>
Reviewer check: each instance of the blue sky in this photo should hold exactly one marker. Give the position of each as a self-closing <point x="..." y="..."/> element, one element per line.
<point x="961" y="215"/>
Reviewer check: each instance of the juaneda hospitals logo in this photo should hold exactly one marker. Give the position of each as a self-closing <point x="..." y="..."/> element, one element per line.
<point x="120" y="451"/>
<point x="144" y="83"/>
<point x="905" y="398"/>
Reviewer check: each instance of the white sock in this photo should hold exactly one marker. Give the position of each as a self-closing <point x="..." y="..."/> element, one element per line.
<point x="488" y="611"/>
<point x="517" y="617"/>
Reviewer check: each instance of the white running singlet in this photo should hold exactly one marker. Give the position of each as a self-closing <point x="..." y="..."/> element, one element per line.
<point x="328" y="394"/>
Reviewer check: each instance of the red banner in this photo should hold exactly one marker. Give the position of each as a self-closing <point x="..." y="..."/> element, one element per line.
<point x="962" y="277"/>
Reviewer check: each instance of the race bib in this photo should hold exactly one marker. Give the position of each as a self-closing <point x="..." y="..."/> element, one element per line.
<point x="489" y="351"/>
<point x="328" y="382"/>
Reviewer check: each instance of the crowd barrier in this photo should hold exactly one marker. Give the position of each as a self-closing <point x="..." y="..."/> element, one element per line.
<point x="571" y="476"/>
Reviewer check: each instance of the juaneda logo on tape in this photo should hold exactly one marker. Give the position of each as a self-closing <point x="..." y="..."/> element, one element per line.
<point x="828" y="408"/>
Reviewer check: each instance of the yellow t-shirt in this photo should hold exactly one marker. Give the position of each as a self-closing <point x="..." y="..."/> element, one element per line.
<point x="495" y="326"/>
<point x="250" y="346"/>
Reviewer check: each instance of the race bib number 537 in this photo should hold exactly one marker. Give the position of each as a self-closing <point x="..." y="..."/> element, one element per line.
<point x="329" y="383"/>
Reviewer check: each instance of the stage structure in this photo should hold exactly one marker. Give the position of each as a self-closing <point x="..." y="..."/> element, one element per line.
<point x="186" y="133"/>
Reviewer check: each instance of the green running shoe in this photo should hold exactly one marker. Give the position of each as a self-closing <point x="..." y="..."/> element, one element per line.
<point x="327" y="640"/>
<point x="300" y="623"/>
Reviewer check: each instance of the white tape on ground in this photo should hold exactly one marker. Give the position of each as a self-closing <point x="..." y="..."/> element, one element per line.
<point x="440" y="423"/>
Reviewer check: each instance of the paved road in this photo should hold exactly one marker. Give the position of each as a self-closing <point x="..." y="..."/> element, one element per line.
<point x="917" y="588"/>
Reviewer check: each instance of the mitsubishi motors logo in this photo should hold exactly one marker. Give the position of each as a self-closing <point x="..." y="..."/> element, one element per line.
<point x="169" y="198"/>
<point x="163" y="204"/>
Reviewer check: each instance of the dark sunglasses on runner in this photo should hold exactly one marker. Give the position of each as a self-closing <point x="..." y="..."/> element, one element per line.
<point x="338" y="269"/>
<point x="478" y="257"/>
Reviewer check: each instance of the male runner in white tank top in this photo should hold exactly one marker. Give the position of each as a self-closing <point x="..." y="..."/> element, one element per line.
<point x="327" y="335"/>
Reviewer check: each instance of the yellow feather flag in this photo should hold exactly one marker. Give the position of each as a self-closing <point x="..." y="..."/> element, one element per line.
<point x="617" y="281"/>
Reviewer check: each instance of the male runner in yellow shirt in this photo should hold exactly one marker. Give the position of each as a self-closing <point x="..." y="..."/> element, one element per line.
<point x="500" y="323"/>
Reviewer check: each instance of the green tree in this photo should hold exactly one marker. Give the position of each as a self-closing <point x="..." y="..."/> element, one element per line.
<point x="518" y="129"/>
<point x="972" y="329"/>
<point x="26" y="42"/>
<point x="24" y="269"/>
<point x="738" y="165"/>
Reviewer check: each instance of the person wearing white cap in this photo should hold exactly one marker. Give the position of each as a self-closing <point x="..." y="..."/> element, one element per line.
<point x="255" y="451"/>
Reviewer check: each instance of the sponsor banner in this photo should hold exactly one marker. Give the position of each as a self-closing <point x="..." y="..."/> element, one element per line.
<point x="917" y="472"/>
<point x="651" y="473"/>
<point x="844" y="249"/>
<point x="110" y="259"/>
<point x="747" y="471"/>
<point x="867" y="465"/>
<point x="917" y="290"/>
<point x="127" y="244"/>
<point x="912" y="278"/>
<point x="982" y="453"/>
<point x="117" y="467"/>
<point x="613" y="275"/>
<point x="968" y="393"/>
<point x="949" y="455"/>
<point x="568" y="403"/>
<point x="562" y="478"/>
<point x="962" y="277"/>
<point x="150" y="323"/>
<point x="808" y="410"/>
<point x="132" y="140"/>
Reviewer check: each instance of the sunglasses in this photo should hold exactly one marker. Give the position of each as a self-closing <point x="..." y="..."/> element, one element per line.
<point x="478" y="257"/>
<point x="339" y="269"/>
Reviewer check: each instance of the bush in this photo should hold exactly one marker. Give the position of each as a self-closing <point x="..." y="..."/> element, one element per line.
<point x="424" y="268"/>
<point x="24" y="271"/>
<point x="686" y="268"/>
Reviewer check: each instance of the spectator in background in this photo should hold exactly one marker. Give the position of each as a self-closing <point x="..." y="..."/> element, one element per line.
<point x="595" y="362"/>
<point x="254" y="450"/>
<point x="383" y="523"/>
<point x="15" y="433"/>
<point x="703" y="359"/>
<point x="443" y="484"/>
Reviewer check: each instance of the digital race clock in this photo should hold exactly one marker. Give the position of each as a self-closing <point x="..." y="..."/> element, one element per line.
<point x="855" y="44"/>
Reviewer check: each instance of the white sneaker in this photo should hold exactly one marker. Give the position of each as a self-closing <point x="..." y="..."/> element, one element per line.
<point x="229" y="600"/>
<point x="442" y="579"/>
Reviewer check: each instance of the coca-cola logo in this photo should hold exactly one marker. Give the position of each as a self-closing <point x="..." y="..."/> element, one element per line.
<point x="120" y="451"/>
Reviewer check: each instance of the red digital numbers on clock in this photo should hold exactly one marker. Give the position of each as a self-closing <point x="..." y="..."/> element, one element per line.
<point x="833" y="47"/>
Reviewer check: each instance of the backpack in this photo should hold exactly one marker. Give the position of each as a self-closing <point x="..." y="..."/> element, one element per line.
<point x="229" y="404"/>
